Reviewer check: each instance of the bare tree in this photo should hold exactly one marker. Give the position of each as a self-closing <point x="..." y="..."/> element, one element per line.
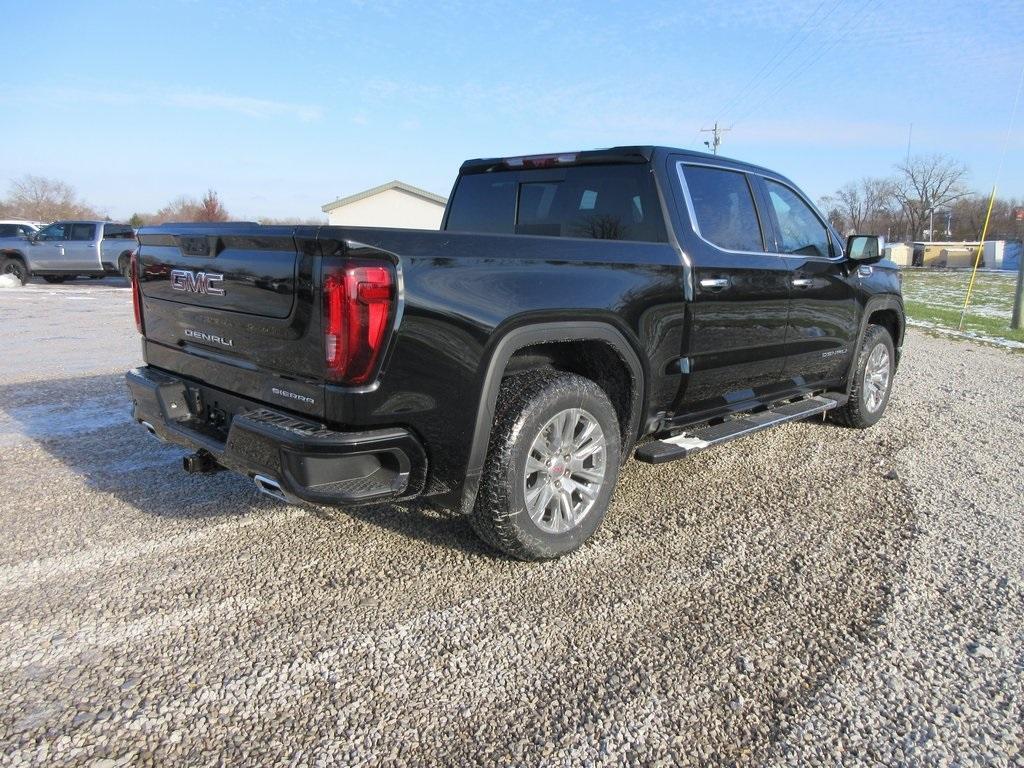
<point x="925" y="183"/>
<point x="211" y="209"/>
<point x="41" y="199"/>
<point x="292" y="220"/>
<point x="181" y="208"/>
<point x="184" y="208"/>
<point x="862" y="206"/>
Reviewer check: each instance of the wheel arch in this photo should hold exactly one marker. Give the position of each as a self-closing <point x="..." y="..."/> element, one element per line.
<point x="14" y="254"/>
<point x="544" y="338"/>
<point x="886" y="311"/>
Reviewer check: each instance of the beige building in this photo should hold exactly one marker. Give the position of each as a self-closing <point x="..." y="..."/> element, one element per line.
<point x="395" y="204"/>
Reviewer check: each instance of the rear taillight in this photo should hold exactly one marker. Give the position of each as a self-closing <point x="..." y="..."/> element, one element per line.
<point x="358" y="301"/>
<point x="136" y="291"/>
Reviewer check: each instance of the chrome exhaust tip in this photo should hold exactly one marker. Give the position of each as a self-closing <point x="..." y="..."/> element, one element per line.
<point x="272" y="488"/>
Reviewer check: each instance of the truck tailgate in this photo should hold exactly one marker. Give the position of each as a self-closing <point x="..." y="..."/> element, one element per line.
<point x="234" y="271"/>
<point x="232" y="305"/>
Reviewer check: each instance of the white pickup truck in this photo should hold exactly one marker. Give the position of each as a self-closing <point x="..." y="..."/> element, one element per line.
<point x="67" y="249"/>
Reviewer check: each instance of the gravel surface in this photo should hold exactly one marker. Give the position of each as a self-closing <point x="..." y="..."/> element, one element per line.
<point x="812" y="595"/>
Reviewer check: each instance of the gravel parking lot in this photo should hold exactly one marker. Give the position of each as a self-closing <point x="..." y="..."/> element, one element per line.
<point x="813" y="595"/>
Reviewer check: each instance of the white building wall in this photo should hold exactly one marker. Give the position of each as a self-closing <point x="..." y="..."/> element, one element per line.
<point x="390" y="208"/>
<point x="994" y="253"/>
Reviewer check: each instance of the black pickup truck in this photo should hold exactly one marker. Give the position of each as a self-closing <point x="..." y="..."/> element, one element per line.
<point x="574" y="309"/>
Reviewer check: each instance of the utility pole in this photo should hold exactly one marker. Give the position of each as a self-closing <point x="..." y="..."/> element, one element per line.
<point x="716" y="137"/>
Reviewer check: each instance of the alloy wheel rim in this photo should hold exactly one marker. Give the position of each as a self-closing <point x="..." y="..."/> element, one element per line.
<point x="877" y="373"/>
<point x="565" y="470"/>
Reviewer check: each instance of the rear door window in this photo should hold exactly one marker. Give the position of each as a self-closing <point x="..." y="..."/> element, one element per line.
<point x="82" y="232"/>
<point x="723" y="208"/>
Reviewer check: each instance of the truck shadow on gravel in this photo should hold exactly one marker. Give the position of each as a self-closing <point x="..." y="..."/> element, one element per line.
<point x="85" y="424"/>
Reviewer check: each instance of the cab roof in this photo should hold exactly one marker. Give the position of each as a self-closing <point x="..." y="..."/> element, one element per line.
<point x="609" y="156"/>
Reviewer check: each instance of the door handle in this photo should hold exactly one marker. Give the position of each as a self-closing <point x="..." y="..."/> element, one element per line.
<point x="801" y="282"/>
<point x="714" y="283"/>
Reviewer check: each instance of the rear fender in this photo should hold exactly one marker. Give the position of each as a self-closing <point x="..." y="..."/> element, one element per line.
<point x="526" y="336"/>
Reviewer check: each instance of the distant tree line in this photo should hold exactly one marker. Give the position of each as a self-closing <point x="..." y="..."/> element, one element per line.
<point x="925" y="190"/>
<point x="37" y="198"/>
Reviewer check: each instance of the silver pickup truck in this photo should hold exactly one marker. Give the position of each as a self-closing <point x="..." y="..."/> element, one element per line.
<point x="68" y="249"/>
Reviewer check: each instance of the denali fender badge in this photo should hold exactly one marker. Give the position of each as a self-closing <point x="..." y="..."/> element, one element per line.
<point x="192" y="333"/>
<point x="292" y="395"/>
<point x="187" y="281"/>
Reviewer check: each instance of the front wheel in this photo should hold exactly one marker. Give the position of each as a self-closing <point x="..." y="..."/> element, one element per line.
<point x="872" y="381"/>
<point x="16" y="267"/>
<point x="552" y="464"/>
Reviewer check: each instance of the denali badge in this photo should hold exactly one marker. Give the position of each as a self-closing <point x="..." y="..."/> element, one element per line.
<point x="208" y="337"/>
<point x="197" y="282"/>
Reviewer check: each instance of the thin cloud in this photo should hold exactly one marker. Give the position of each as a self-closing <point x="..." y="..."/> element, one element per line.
<point x="246" y="106"/>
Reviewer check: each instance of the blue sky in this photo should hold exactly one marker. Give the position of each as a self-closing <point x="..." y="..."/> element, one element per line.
<point x="282" y="107"/>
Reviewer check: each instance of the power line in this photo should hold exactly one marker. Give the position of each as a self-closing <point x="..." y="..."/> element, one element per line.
<point x="801" y="69"/>
<point x="785" y="49"/>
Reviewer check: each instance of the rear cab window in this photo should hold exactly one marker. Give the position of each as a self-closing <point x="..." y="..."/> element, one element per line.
<point x="601" y="202"/>
<point x="118" y="232"/>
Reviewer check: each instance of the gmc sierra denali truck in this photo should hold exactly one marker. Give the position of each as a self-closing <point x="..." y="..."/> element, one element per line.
<point x="574" y="310"/>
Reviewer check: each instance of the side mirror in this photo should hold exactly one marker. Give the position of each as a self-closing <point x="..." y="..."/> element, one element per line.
<point x="865" y="248"/>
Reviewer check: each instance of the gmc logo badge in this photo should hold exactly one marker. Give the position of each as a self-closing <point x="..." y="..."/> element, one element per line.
<point x="197" y="282"/>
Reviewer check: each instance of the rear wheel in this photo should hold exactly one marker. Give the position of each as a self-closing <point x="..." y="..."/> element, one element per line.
<point x="124" y="266"/>
<point x="551" y="468"/>
<point x="16" y="267"/>
<point x="872" y="381"/>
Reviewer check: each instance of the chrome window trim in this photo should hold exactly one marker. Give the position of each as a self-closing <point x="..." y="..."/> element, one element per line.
<point x="696" y="227"/>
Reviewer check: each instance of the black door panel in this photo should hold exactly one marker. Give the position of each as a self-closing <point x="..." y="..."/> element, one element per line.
<point x="822" y="320"/>
<point x="822" y="323"/>
<point x="739" y="313"/>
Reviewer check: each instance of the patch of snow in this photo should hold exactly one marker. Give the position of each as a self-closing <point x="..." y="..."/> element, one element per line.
<point x="9" y="281"/>
<point x="966" y="335"/>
